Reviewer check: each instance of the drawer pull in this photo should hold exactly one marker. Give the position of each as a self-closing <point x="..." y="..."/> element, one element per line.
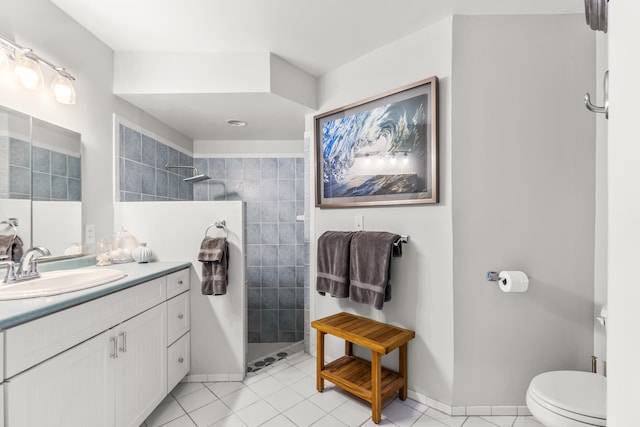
<point x="124" y="342"/>
<point x="181" y="359"/>
<point x="114" y="341"/>
<point x="180" y="316"/>
<point x="180" y="282"/>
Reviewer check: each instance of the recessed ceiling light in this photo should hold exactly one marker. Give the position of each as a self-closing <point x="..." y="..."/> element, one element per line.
<point x="236" y="123"/>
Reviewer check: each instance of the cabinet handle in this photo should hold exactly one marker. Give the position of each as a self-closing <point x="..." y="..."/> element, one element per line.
<point x="114" y="341"/>
<point x="124" y="342"/>
<point x="179" y="282"/>
<point x="180" y="316"/>
<point x="181" y="359"/>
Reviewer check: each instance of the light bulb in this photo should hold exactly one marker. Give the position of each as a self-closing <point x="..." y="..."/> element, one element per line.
<point x="63" y="90"/>
<point x="29" y="73"/>
<point x="4" y="60"/>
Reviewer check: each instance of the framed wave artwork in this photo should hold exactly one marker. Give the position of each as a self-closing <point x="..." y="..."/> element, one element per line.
<point x="380" y="151"/>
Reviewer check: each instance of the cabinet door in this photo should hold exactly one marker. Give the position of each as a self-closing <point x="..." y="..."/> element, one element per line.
<point x="72" y="389"/>
<point x="141" y="368"/>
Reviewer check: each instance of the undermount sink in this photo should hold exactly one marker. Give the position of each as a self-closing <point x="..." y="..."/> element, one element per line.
<point x="59" y="282"/>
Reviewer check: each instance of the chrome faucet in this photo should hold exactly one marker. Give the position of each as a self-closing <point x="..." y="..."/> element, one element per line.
<point x="27" y="269"/>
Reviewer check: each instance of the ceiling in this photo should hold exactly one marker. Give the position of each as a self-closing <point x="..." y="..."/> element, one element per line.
<point x="316" y="36"/>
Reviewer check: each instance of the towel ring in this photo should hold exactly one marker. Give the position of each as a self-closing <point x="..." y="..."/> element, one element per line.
<point x="218" y="224"/>
<point x="13" y="224"/>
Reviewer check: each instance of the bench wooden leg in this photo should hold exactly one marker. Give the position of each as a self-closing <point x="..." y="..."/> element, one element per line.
<point x="319" y="360"/>
<point x="403" y="371"/>
<point x="348" y="348"/>
<point x="376" y="397"/>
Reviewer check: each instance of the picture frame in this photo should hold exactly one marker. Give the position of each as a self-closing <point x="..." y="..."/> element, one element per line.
<point x="381" y="150"/>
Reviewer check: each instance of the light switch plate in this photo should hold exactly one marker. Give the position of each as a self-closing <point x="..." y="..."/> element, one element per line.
<point x="358" y="222"/>
<point x="89" y="234"/>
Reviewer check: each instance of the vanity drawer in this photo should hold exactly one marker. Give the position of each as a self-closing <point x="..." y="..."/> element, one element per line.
<point x="178" y="360"/>
<point x="178" y="317"/>
<point x="177" y="282"/>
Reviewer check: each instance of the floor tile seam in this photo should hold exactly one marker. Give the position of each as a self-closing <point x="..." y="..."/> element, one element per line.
<point x="257" y="401"/>
<point x="489" y="421"/>
<point x="172" y="419"/>
<point x="202" y="406"/>
<point x="424" y="414"/>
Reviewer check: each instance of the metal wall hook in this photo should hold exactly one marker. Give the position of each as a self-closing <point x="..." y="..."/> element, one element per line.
<point x="595" y="108"/>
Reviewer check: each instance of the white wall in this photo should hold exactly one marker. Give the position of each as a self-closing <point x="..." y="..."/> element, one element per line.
<point x="523" y="199"/>
<point x="423" y="295"/>
<point x="253" y="148"/>
<point x="623" y="345"/>
<point x="174" y="231"/>
<point x="56" y="225"/>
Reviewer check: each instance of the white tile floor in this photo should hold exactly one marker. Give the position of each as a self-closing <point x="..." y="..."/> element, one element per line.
<point x="284" y="395"/>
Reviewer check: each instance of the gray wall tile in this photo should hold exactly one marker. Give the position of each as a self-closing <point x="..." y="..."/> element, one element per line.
<point x="59" y="164"/>
<point x="41" y="160"/>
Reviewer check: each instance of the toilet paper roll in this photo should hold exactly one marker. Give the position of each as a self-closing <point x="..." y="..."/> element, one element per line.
<point x="513" y="281"/>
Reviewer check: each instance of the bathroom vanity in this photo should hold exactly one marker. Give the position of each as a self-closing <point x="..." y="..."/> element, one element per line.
<point x="105" y="356"/>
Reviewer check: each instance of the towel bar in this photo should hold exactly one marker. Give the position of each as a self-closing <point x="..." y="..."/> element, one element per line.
<point x="404" y="238"/>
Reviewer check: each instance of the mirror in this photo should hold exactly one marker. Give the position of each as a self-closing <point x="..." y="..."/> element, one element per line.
<point x="40" y="182"/>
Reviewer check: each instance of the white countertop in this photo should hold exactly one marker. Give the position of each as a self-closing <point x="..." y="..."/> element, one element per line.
<point x="15" y="312"/>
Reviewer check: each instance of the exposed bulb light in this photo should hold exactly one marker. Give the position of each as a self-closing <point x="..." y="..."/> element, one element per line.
<point x="63" y="90"/>
<point x="29" y="73"/>
<point x="4" y="60"/>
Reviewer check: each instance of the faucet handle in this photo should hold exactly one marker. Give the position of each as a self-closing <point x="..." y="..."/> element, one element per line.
<point x="11" y="271"/>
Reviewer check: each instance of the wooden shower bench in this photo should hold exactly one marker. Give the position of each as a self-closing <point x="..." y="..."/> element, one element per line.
<point x="367" y="380"/>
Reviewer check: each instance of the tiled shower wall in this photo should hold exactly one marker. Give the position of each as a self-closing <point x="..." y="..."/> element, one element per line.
<point x="56" y="176"/>
<point x="39" y="173"/>
<point x="273" y="189"/>
<point x="277" y="243"/>
<point x="143" y="176"/>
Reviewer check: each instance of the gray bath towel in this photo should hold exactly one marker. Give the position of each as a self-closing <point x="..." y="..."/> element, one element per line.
<point x="371" y="266"/>
<point x="333" y="263"/>
<point x="214" y="256"/>
<point x="11" y="247"/>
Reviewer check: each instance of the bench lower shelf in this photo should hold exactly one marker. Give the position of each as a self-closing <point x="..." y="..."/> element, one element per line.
<point x="353" y="374"/>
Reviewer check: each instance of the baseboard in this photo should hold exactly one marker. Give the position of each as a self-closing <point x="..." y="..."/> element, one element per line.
<point x="209" y="378"/>
<point x="469" y="410"/>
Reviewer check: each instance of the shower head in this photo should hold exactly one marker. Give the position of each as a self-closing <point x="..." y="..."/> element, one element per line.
<point x="197" y="177"/>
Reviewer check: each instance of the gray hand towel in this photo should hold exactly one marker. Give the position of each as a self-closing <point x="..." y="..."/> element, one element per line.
<point x="11" y="247"/>
<point x="371" y="266"/>
<point x="333" y="263"/>
<point x="214" y="256"/>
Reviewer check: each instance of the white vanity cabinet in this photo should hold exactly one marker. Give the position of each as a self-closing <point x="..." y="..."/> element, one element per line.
<point x="101" y="363"/>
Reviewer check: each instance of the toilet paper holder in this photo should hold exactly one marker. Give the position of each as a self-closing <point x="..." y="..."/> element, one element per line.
<point x="493" y="276"/>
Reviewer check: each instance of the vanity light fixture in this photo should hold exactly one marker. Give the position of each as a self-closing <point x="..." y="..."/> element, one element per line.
<point x="4" y="60"/>
<point x="29" y="73"/>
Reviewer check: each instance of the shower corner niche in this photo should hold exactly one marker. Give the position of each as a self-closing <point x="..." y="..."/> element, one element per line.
<point x="41" y="181"/>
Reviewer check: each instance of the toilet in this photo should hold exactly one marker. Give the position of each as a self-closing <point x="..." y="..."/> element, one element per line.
<point x="568" y="399"/>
